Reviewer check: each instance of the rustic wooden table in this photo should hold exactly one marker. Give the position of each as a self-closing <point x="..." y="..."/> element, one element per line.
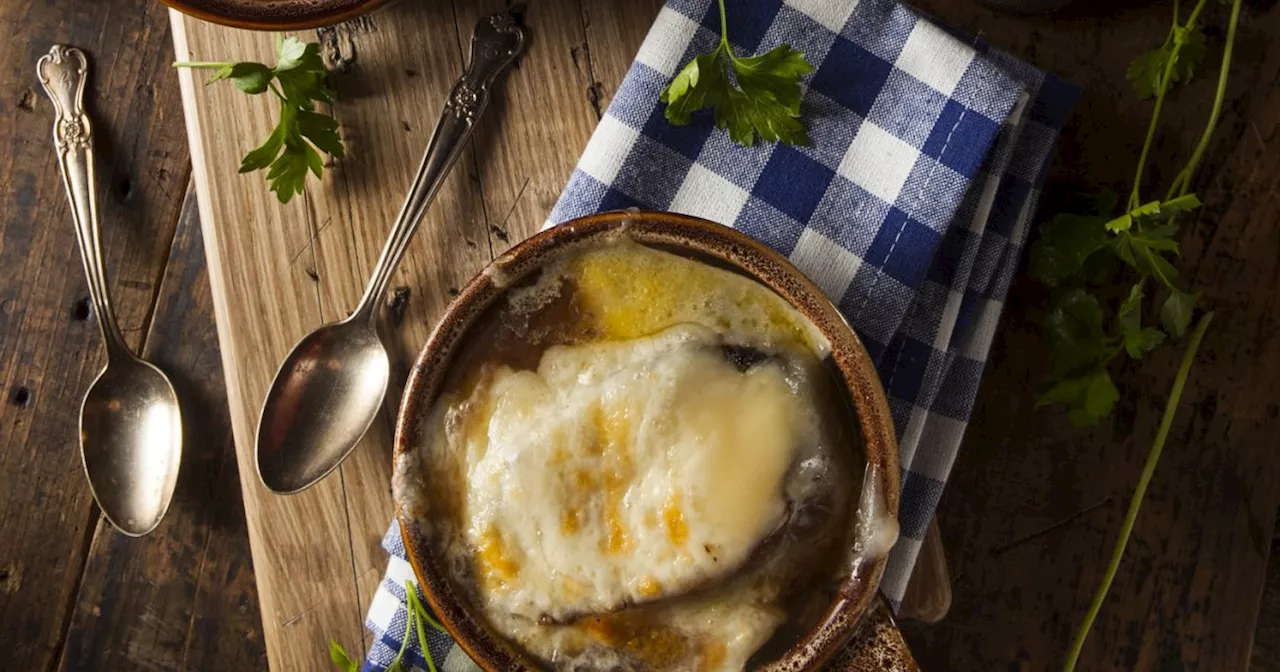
<point x="1033" y="506"/>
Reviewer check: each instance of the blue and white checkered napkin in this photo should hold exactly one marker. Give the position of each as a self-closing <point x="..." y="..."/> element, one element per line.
<point x="910" y="208"/>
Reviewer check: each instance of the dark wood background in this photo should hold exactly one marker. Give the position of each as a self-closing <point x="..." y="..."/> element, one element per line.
<point x="1029" y="516"/>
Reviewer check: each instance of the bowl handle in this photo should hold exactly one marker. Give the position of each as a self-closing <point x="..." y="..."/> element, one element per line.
<point x="878" y="645"/>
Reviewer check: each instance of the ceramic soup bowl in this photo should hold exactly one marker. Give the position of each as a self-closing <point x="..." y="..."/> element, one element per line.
<point x="856" y="631"/>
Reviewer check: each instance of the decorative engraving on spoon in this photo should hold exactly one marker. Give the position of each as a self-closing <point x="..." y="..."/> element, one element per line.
<point x="63" y="73"/>
<point x="494" y="44"/>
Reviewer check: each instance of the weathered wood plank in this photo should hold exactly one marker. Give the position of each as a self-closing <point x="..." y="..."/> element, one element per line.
<point x="1034" y="506"/>
<point x="543" y="115"/>
<point x="615" y="32"/>
<point x="262" y="271"/>
<point x="390" y="99"/>
<point x="182" y="598"/>
<point x="1266" y="637"/>
<point x="49" y="347"/>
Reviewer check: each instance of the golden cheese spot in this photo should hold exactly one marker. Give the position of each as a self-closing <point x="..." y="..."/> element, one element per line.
<point x="713" y="655"/>
<point x="673" y="516"/>
<point x="569" y="522"/>
<point x="604" y="629"/>
<point x="475" y="411"/>
<point x="630" y="291"/>
<point x="583" y="480"/>
<point x="496" y="566"/>
<point x="571" y="588"/>
<point x="616" y="539"/>
<point x="657" y="646"/>
<point x="613" y="442"/>
<point x="649" y="587"/>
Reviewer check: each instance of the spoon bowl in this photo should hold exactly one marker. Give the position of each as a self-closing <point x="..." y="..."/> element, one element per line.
<point x="131" y="443"/>
<point x="324" y="398"/>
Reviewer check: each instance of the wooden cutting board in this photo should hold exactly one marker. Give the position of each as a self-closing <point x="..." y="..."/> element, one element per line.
<point x="278" y="271"/>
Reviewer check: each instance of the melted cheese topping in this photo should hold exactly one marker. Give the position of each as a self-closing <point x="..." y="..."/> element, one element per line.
<point x="628" y="469"/>
<point x="621" y="472"/>
<point x="626" y="291"/>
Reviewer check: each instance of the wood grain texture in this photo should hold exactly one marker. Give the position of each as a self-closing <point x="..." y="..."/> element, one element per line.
<point x="279" y="271"/>
<point x="928" y="595"/>
<point x="50" y="349"/>
<point x="531" y="138"/>
<point x="183" y="597"/>
<point x="1034" y="506"/>
<point x="1266" y="637"/>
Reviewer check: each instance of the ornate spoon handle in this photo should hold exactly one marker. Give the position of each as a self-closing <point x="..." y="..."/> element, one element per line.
<point x="63" y="72"/>
<point x="494" y="45"/>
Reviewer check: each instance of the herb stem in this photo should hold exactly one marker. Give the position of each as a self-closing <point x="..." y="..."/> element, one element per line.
<point x="417" y="613"/>
<point x="1134" y="197"/>
<point x="1165" y="78"/>
<point x="408" y="628"/>
<point x="202" y="64"/>
<point x="724" y="29"/>
<point x="1183" y="181"/>
<point x="1146" y="251"/>
<point x="276" y="91"/>
<point x="422" y="641"/>
<point x="1135" y="503"/>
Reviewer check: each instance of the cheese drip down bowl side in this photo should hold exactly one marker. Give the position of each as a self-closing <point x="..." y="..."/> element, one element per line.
<point x="716" y="245"/>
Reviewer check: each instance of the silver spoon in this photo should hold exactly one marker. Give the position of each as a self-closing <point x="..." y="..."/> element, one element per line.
<point x="330" y="387"/>
<point x="130" y="423"/>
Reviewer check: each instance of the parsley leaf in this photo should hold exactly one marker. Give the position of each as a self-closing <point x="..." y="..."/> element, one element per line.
<point x="761" y="99"/>
<point x="1081" y="350"/>
<point x="1185" y="47"/>
<point x="1089" y="396"/>
<point x="1074" y="333"/>
<point x="293" y="148"/>
<point x="340" y="658"/>
<point x="1137" y="340"/>
<point x="1065" y="242"/>
<point x="248" y="77"/>
<point x="1175" y="314"/>
<point x="1142" y="251"/>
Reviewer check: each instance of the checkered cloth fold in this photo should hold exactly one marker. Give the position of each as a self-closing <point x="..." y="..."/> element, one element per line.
<point x="910" y="208"/>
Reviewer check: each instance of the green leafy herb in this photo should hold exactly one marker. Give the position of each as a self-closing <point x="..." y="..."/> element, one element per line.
<point x="1136" y="339"/>
<point x="299" y="80"/>
<point x="764" y="101"/>
<point x="340" y="658"/>
<point x="1175" y="314"/>
<point x="418" y="615"/>
<point x="1076" y="255"/>
<point x="1081" y="346"/>
<point x="1182" y="52"/>
<point x="1066" y="241"/>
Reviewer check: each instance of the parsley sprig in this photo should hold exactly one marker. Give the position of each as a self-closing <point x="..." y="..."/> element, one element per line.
<point x="418" y="615"/>
<point x="764" y="101"/>
<point x="299" y="80"/>
<point x="1080" y="256"/>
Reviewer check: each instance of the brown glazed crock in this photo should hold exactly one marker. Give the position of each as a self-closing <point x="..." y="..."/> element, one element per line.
<point x="276" y="14"/>
<point x="857" y="610"/>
